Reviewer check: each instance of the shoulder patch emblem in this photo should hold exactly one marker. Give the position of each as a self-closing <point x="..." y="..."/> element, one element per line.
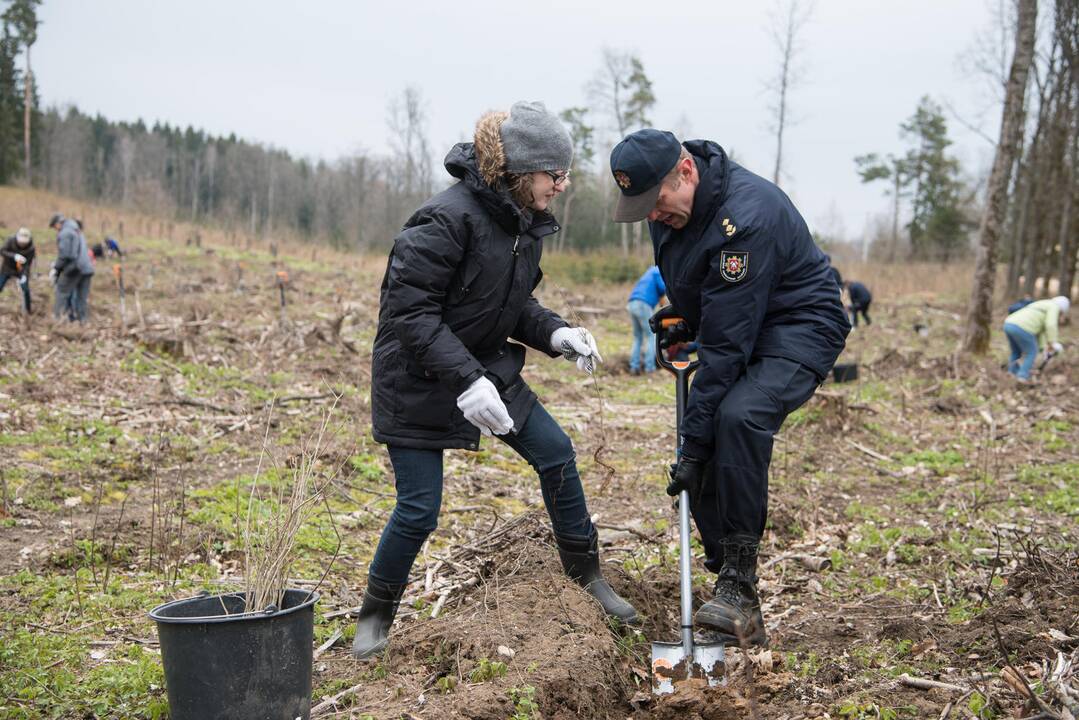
<point x="733" y="265"/>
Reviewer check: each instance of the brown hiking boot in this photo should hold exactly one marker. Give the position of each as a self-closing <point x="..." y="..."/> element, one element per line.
<point x="735" y="609"/>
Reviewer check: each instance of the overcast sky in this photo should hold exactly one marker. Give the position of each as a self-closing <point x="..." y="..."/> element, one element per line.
<point x="315" y="77"/>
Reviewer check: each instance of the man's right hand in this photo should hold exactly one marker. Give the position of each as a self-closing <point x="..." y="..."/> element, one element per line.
<point x="52" y="276"/>
<point x="671" y="334"/>
<point x="482" y="406"/>
<point x="687" y="475"/>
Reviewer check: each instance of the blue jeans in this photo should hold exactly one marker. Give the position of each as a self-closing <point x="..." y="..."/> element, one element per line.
<point x="1023" y="345"/>
<point x="639" y="313"/>
<point x="418" y="477"/>
<point x="24" y="285"/>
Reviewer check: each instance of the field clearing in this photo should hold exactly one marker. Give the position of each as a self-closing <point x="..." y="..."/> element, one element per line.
<point x="923" y="519"/>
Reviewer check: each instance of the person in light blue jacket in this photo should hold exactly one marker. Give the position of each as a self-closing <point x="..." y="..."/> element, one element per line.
<point x="643" y="299"/>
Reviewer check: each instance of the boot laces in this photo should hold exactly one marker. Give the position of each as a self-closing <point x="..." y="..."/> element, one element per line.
<point x="728" y="590"/>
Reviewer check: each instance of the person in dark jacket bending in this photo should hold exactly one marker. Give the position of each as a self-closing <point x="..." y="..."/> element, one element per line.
<point x="860" y="299"/>
<point x="16" y="257"/>
<point x="741" y="267"/>
<point x="458" y="286"/>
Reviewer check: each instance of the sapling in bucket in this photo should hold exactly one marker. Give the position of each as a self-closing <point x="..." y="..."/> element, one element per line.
<point x="248" y="654"/>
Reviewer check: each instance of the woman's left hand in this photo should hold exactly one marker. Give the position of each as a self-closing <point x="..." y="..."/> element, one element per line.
<point x="577" y="344"/>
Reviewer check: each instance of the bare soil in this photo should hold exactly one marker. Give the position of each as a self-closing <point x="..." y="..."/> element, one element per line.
<point x="923" y="518"/>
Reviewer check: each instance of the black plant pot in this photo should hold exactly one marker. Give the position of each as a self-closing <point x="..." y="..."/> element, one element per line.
<point x="845" y="372"/>
<point x="237" y="666"/>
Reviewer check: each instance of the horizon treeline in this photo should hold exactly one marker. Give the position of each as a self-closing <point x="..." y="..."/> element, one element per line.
<point x="360" y="201"/>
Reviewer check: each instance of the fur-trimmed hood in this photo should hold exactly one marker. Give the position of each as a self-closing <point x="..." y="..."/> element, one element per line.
<point x="461" y="163"/>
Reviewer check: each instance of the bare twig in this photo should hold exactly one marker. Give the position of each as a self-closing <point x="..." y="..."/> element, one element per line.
<point x="924" y="684"/>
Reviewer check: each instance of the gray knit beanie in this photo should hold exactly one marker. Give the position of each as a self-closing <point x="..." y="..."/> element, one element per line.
<point x="535" y="140"/>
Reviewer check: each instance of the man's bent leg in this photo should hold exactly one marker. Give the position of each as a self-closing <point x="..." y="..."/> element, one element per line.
<point x="746" y="423"/>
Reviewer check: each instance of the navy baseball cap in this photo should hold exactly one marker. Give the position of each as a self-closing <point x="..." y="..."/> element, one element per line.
<point x="639" y="163"/>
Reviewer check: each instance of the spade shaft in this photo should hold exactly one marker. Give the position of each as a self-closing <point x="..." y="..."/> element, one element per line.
<point x="676" y="662"/>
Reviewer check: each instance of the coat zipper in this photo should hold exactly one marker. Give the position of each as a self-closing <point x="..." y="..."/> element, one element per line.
<point x="509" y="288"/>
<point x="513" y="274"/>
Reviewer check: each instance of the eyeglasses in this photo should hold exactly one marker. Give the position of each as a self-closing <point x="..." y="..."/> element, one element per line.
<point x="558" y="177"/>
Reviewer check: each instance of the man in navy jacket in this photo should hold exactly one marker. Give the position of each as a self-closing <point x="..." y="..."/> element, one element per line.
<point x="741" y="267"/>
<point x="860" y="300"/>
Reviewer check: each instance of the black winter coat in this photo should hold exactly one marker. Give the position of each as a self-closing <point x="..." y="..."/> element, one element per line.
<point x="7" y="253"/>
<point x="859" y="294"/>
<point x="458" y="284"/>
<point x="750" y="281"/>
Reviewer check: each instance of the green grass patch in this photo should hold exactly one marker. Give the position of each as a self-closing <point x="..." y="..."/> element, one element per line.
<point x="55" y="676"/>
<point x="1053" y="488"/>
<point x="940" y="462"/>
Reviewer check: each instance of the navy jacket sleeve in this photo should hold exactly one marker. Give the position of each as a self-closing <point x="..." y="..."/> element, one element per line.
<point x="732" y="310"/>
<point x="425" y="259"/>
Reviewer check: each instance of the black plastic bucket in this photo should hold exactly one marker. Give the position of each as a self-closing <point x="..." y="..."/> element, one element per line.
<point x="237" y="666"/>
<point x="845" y="372"/>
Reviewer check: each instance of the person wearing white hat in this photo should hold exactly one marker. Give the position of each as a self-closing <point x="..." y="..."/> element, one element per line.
<point x="16" y="257"/>
<point x="1031" y="329"/>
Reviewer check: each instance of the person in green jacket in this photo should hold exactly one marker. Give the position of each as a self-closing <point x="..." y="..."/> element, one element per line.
<point x="1032" y="328"/>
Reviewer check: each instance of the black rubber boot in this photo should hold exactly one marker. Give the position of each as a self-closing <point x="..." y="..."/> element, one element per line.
<point x="580" y="559"/>
<point x="735" y="610"/>
<point x="380" y="601"/>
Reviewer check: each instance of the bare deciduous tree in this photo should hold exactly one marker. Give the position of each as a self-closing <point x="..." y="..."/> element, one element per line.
<point x="622" y="93"/>
<point x="1011" y="132"/>
<point x="788" y="19"/>
<point x="408" y="175"/>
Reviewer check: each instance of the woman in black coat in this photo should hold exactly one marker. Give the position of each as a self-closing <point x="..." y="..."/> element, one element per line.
<point x="457" y="290"/>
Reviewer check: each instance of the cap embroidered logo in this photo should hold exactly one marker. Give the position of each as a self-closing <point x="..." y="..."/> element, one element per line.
<point x="622" y="179"/>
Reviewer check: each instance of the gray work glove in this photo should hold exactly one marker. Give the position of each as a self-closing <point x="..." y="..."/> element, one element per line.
<point x="52" y="276"/>
<point x="482" y="406"/>
<point x="577" y="344"/>
<point x="20" y="259"/>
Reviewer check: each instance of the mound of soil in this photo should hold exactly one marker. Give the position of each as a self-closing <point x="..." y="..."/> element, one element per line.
<point x="550" y="636"/>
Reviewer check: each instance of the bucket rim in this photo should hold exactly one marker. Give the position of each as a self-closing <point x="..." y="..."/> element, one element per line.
<point x="157" y="616"/>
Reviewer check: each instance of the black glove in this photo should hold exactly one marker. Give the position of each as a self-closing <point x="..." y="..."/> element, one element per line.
<point x="687" y="475"/>
<point x="670" y="335"/>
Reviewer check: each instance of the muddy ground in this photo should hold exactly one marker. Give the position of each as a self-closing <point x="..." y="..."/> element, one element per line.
<point x="923" y="518"/>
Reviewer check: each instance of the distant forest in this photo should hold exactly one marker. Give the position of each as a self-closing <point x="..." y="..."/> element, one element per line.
<point x="361" y="201"/>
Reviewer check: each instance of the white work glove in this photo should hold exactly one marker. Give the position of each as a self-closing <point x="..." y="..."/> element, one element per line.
<point x="1057" y="347"/>
<point x="481" y="406"/>
<point x="23" y="279"/>
<point x="52" y="276"/>
<point x="20" y="259"/>
<point x="577" y="344"/>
